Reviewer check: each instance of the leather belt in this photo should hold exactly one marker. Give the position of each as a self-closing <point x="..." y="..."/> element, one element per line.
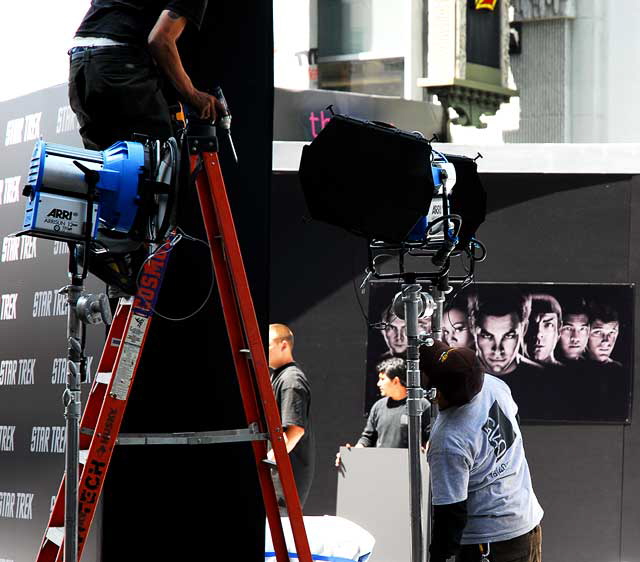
<point x="76" y="53"/>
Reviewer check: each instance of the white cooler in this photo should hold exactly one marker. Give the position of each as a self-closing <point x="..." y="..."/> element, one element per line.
<point x="331" y="539"/>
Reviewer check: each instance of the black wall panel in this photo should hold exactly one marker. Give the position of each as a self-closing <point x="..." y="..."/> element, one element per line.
<point x="206" y="498"/>
<point x="630" y="538"/>
<point x="312" y="267"/>
<point x="540" y="228"/>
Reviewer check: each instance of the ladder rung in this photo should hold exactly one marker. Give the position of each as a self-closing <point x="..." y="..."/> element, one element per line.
<point x="104" y="378"/>
<point x="55" y="535"/>
<point x="192" y="438"/>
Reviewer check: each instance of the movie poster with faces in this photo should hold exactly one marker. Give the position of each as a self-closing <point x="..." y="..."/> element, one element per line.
<point x="565" y="350"/>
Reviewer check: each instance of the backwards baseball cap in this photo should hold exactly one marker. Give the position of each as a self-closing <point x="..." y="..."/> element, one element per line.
<point x="454" y="371"/>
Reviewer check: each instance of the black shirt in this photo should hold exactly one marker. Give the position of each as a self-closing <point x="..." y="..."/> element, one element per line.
<point x="293" y="396"/>
<point x="131" y="21"/>
<point x="387" y="424"/>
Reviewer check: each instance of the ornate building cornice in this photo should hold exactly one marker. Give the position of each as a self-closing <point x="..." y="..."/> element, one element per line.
<point x="504" y="45"/>
<point x="531" y="10"/>
<point x="471" y="89"/>
<point x="461" y="40"/>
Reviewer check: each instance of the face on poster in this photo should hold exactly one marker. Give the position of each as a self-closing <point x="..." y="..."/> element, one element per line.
<point x="565" y="350"/>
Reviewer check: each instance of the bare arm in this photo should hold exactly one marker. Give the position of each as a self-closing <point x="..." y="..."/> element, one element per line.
<point x="162" y="44"/>
<point x="292" y="434"/>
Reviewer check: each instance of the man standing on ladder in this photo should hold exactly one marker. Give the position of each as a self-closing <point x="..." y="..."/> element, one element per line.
<point x="293" y="396"/>
<point x="120" y="51"/>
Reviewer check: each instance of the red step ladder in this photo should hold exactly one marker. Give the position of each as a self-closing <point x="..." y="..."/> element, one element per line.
<point x="107" y="401"/>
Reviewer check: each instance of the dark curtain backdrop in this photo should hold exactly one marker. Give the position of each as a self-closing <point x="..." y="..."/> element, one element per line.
<point x="203" y="501"/>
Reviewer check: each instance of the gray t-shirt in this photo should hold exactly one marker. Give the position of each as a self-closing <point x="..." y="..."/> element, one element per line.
<point x="387" y="424"/>
<point x="476" y="454"/>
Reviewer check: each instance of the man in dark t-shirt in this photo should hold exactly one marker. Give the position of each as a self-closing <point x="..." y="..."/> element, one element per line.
<point x="387" y="424"/>
<point x="118" y="50"/>
<point x="293" y="396"/>
<point x="119" y="53"/>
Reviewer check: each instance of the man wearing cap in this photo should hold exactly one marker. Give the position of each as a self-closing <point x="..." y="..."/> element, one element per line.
<point x="484" y="507"/>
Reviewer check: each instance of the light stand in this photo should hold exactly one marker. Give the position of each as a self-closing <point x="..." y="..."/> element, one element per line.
<point x="436" y="334"/>
<point x="424" y="217"/>
<point x="417" y="304"/>
<point x="411" y="297"/>
<point x="82" y="309"/>
<point x="72" y="409"/>
<point x="129" y="189"/>
<point x="410" y="304"/>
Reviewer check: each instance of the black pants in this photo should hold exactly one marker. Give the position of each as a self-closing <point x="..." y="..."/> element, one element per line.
<point x="525" y="548"/>
<point x="115" y="92"/>
<point x="303" y="486"/>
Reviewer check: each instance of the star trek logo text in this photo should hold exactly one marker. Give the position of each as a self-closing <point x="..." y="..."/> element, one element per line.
<point x="18" y="248"/>
<point x="6" y="438"/>
<point x="23" y="129"/>
<point x="66" y="120"/>
<point x="47" y="439"/>
<point x="49" y="303"/>
<point x="16" y="505"/>
<point x="10" y="190"/>
<point x="17" y="372"/>
<point x="9" y="306"/>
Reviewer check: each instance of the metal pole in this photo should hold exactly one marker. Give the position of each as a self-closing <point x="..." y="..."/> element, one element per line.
<point x="411" y="300"/>
<point x="436" y="333"/>
<point x="71" y="399"/>
<point x="436" y="317"/>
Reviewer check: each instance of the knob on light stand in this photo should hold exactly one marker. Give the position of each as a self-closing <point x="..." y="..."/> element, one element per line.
<point x="94" y="309"/>
<point x="425" y="304"/>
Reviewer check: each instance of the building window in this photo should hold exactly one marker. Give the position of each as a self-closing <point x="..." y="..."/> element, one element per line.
<point x="360" y="46"/>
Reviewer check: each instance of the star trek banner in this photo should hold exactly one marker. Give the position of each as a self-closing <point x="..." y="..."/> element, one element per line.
<point x="565" y="350"/>
<point x="33" y="346"/>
